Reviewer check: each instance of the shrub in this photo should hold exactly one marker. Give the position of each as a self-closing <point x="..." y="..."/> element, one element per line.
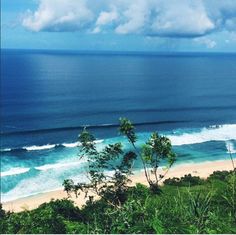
<point x="200" y="209"/>
<point x="186" y="180"/>
<point x="75" y="227"/>
<point x="219" y="175"/>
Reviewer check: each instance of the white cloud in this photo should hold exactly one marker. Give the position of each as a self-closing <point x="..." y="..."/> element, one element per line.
<point x="222" y="12"/>
<point x="105" y="18"/>
<point x="168" y="18"/>
<point x="209" y="43"/>
<point x="136" y="17"/>
<point x="181" y="18"/>
<point x="58" y="15"/>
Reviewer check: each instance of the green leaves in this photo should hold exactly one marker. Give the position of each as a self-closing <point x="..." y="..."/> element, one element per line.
<point x="156" y="149"/>
<point x="126" y="128"/>
<point x="87" y="142"/>
<point x="108" y="169"/>
<point x="160" y="145"/>
<point x="112" y="158"/>
<point x="147" y="153"/>
<point x="201" y="208"/>
<point x="68" y="185"/>
<point x="127" y="161"/>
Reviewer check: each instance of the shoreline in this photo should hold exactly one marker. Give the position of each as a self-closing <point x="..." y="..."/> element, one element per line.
<point x="202" y="169"/>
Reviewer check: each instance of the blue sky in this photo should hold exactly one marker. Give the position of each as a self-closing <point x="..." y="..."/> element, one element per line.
<point x="120" y="25"/>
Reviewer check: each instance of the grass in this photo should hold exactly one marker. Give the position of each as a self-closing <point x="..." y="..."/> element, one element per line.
<point x="192" y="206"/>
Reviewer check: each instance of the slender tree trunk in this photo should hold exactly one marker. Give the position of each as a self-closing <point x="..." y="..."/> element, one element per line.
<point x="144" y="165"/>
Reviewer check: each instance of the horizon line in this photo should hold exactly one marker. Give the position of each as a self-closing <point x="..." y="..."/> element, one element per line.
<point x="119" y="51"/>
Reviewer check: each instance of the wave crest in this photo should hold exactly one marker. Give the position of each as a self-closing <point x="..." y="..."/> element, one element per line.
<point x="59" y="165"/>
<point x="15" y="171"/>
<point x="212" y="133"/>
<point x="47" y="146"/>
<point x="42" y="147"/>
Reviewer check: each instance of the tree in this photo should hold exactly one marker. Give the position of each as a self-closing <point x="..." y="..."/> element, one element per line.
<point x="109" y="170"/>
<point x="155" y="150"/>
<point x="112" y="159"/>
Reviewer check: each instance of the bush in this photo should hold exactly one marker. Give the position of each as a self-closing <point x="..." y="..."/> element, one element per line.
<point x="204" y="208"/>
<point x="75" y="227"/>
<point x="47" y="218"/>
<point x="186" y="180"/>
<point x="219" y="175"/>
<point x="64" y="208"/>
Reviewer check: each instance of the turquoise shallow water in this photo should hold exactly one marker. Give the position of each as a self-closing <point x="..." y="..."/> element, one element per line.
<point x="49" y="96"/>
<point x="45" y="169"/>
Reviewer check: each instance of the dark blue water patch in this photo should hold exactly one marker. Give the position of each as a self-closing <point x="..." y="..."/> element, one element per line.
<point x="61" y="135"/>
<point x="79" y="128"/>
<point x="50" y="90"/>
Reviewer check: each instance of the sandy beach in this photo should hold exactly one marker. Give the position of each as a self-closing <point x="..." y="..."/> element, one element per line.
<point x="198" y="169"/>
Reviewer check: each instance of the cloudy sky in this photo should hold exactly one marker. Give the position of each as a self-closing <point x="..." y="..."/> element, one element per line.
<point x="120" y="25"/>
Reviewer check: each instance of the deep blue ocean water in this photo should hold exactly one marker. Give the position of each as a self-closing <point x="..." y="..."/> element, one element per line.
<point x="48" y="96"/>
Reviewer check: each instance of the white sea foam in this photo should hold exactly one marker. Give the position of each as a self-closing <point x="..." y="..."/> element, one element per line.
<point x="53" y="178"/>
<point x="98" y="141"/>
<point x="46" y="181"/>
<point x="31" y="186"/>
<point x="15" y="171"/>
<point x="216" y="133"/>
<point x="50" y="146"/>
<point x="42" y="147"/>
<point x="71" y="145"/>
<point x="5" y="150"/>
<point x="59" y="165"/>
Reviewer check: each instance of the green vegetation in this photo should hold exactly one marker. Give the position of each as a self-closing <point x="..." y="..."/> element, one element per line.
<point x="187" y="180"/>
<point x="181" y="205"/>
<point x="112" y="187"/>
<point x="203" y="208"/>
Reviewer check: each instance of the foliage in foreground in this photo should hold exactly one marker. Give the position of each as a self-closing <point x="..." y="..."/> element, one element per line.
<point x="119" y="163"/>
<point x="207" y="207"/>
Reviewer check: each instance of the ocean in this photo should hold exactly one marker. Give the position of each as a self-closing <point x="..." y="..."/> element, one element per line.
<point x="47" y="97"/>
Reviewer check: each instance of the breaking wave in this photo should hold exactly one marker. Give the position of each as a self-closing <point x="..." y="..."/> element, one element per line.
<point x="59" y="165"/>
<point x="15" y="171"/>
<point x="212" y="133"/>
<point x="46" y="146"/>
